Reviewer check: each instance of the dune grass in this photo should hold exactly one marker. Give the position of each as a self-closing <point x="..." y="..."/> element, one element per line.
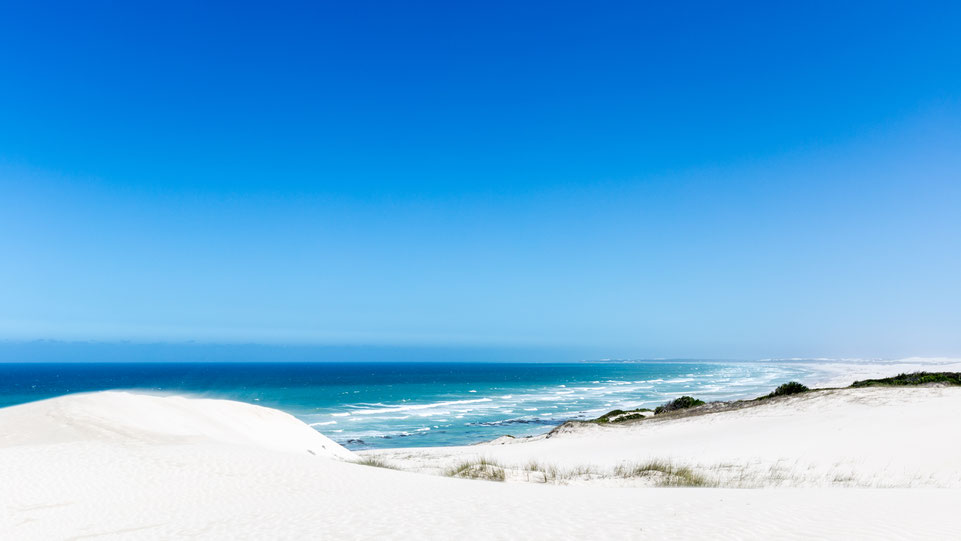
<point x="480" y="468"/>
<point x="374" y="462"/>
<point x="544" y="473"/>
<point x="665" y="474"/>
<point x="549" y="473"/>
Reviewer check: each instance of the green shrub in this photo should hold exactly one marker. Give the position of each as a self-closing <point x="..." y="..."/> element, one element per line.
<point x="683" y="402"/>
<point x="629" y="417"/>
<point x="791" y="387"/>
<point x="915" y="378"/>
<point x="607" y="416"/>
<point x="612" y="416"/>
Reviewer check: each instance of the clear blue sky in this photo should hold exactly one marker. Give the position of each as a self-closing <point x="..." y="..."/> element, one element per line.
<point x="610" y="179"/>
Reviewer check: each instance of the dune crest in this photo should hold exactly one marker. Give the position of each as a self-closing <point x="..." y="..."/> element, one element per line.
<point x="136" y="418"/>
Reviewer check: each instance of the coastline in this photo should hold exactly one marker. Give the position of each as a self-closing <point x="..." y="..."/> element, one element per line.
<point x="384" y="405"/>
<point x="851" y="437"/>
<point x="79" y="465"/>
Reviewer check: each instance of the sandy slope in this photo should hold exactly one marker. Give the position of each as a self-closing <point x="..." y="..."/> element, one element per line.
<point x="118" y="465"/>
<point x="869" y="437"/>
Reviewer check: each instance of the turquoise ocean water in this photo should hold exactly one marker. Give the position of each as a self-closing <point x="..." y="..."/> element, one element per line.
<point x="374" y="405"/>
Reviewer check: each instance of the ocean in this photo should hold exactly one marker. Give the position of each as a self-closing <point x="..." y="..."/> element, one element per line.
<point x="377" y="405"/>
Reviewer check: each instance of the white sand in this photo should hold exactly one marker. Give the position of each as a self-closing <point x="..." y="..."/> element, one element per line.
<point x="869" y="437"/>
<point x="119" y="465"/>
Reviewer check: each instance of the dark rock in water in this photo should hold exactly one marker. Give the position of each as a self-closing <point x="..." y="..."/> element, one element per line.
<point x="354" y="441"/>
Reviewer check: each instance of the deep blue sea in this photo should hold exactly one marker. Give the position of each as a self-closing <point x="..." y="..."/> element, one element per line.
<point x="368" y="405"/>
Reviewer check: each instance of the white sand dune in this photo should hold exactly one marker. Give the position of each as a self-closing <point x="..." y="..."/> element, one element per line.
<point x="867" y="437"/>
<point x="118" y="465"/>
<point x="128" y="419"/>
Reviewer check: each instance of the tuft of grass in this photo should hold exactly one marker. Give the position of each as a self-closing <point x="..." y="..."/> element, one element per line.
<point x="666" y="474"/>
<point x="582" y="471"/>
<point x="914" y="378"/>
<point x="683" y="402"/>
<point x="374" y="462"/>
<point x="791" y="387"/>
<point x="481" y="468"/>
<point x="549" y="473"/>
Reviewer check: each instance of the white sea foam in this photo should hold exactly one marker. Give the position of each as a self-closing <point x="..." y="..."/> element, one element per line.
<point x="578" y="400"/>
<point x="414" y="407"/>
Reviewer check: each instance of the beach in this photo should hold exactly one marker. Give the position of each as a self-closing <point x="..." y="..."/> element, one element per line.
<point x="843" y="464"/>
<point x="384" y="405"/>
<point x="464" y="271"/>
<point x="866" y="438"/>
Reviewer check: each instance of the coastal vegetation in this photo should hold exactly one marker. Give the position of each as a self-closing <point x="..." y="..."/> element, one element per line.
<point x="618" y="416"/>
<point x="374" y="462"/>
<point x="914" y="378"/>
<point x="683" y="402"/>
<point x="481" y="468"/>
<point x="665" y="474"/>
<point x="549" y="473"/>
<point x="789" y="388"/>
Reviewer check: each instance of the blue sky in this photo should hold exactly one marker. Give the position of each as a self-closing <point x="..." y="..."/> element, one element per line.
<point x="588" y="180"/>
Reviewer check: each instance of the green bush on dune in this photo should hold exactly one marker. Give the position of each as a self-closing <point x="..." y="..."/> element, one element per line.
<point x="791" y="387"/>
<point x="629" y="417"/>
<point x="683" y="402"/>
<point x="617" y="416"/>
<point x="915" y="378"/>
